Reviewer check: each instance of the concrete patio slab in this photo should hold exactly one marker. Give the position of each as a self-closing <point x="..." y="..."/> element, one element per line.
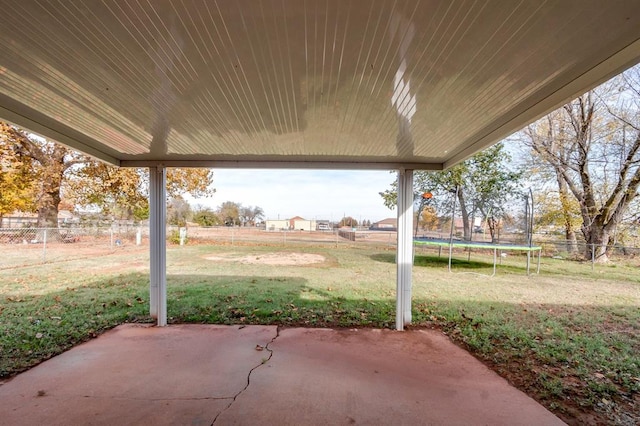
<point x="253" y="375"/>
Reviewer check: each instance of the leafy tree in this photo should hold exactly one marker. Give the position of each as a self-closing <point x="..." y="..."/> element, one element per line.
<point x="194" y="181"/>
<point x="120" y="192"/>
<point x="428" y="219"/>
<point x="423" y="203"/>
<point x="206" y="217"/>
<point x="51" y="163"/>
<point x="124" y="193"/>
<point x="17" y="175"/>
<point x="482" y="184"/>
<point x="561" y="212"/>
<point x="592" y="146"/>
<point x="348" y="221"/>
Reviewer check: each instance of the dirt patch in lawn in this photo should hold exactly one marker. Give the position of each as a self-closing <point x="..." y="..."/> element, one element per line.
<point x="277" y="259"/>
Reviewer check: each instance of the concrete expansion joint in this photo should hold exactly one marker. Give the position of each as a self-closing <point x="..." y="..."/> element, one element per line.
<point x="263" y="362"/>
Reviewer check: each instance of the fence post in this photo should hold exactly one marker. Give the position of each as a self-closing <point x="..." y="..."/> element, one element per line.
<point x="44" y="246"/>
<point x="139" y="237"/>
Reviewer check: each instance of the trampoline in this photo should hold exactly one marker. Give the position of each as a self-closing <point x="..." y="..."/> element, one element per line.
<point x="451" y="243"/>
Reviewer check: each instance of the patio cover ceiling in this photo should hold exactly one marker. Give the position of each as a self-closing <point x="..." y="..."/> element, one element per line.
<point x="292" y="83"/>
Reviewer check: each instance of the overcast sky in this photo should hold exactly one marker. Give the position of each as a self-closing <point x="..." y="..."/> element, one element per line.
<point x="311" y="194"/>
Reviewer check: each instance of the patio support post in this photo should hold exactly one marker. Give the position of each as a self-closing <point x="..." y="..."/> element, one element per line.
<point x="404" y="257"/>
<point x="157" y="244"/>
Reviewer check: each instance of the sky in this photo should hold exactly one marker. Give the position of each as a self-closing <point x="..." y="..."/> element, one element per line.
<point x="311" y="194"/>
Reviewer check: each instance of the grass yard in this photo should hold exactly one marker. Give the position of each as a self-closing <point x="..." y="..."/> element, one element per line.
<point x="570" y="337"/>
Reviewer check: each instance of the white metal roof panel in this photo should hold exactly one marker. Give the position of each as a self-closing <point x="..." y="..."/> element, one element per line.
<point x="282" y="82"/>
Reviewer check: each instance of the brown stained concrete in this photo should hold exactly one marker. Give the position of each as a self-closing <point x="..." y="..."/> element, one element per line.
<point x="257" y="375"/>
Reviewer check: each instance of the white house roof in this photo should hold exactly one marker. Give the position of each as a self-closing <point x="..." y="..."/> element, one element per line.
<point x="290" y="83"/>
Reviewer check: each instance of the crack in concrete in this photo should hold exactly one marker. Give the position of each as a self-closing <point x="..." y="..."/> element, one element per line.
<point x="264" y="361"/>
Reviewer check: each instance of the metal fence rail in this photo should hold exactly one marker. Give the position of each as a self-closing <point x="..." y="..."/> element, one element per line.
<point x="28" y="246"/>
<point x="231" y="235"/>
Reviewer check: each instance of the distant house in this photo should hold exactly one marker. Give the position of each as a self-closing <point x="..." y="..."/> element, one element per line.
<point x="304" y="225"/>
<point x="301" y="224"/>
<point x="21" y="220"/>
<point x="295" y="223"/>
<point x="277" y="225"/>
<point x="390" y="224"/>
<point x="292" y="221"/>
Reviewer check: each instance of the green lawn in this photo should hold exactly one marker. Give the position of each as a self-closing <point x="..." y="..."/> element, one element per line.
<point x="569" y="337"/>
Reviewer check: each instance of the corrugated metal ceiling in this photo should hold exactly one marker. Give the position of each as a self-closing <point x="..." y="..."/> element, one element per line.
<point x="336" y="82"/>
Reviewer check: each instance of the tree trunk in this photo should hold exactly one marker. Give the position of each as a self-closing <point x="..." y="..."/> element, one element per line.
<point x="421" y="206"/>
<point x="571" y="241"/>
<point x="50" y="196"/>
<point x="569" y="232"/>
<point x="598" y="239"/>
<point x="465" y="216"/>
<point x="492" y="224"/>
<point x="48" y="211"/>
<point x="53" y="165"/>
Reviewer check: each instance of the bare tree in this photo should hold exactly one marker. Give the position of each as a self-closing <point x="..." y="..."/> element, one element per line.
<point x="548" y="140"/>
<point x="593" y="146"/>
<point x="178" y="211"/>
<point x="249" y="215"/>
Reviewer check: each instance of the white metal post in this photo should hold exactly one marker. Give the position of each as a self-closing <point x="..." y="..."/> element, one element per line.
<point x="404" y="248"/>
<point x="157" y="244"/>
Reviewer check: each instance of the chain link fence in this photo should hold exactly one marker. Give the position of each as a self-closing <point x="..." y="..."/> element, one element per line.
<point x="28" y="246"/>
<point x="232" y="235"/>
<point x="582" y="252"/>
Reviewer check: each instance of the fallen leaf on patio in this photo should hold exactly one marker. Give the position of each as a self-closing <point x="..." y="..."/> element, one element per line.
<point x="259" y="347"/>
